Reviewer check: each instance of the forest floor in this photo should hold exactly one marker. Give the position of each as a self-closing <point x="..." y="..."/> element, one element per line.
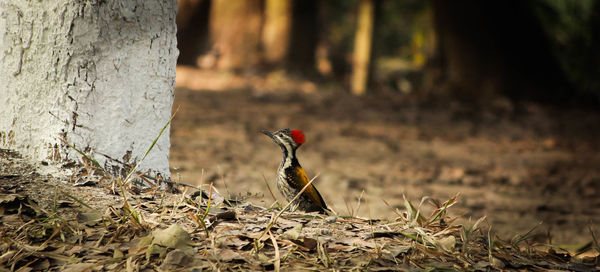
<point x="416" y="186"/>
<point x="519" y="165"/>
<point x="92" y="221"/>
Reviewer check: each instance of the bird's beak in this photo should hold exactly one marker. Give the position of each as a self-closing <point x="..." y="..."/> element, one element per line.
<point x="268" y="134"/>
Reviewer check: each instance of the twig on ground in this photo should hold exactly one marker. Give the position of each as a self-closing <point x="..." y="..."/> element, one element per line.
<point x="277" y="262"/>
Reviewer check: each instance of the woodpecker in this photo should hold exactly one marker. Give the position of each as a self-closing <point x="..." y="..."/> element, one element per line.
<point x="291" y="178"/>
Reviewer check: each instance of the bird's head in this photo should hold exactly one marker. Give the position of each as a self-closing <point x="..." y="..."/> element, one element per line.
<point x="288" y="140"/>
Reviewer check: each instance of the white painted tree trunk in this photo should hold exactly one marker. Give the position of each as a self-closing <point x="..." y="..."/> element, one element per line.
<point x="99" y="74"/>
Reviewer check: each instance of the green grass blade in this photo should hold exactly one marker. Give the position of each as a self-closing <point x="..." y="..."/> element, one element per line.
<point x="126" y="180"/>
<point x="90" y="158"/>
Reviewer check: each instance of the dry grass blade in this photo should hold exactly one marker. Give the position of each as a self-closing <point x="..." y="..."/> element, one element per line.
<point x="277" y="261"/>
<point x="348" y="208"/>
<point x="54" y="233"/>
<point x="467" y="232"/>
<point x="390" y="206"/>
<point x="440" y="211"/>
<point x="201" y="221"/>
<point x="208" y="205"/>
<point x="75" y="198"/>
<point x="88" y="157"/>
<point x="323" y="255"/>
<point x="274" y="219"/>
<point x="594" y="239"/>
<point x="412" y="237"/>
<point x="359" y="200"/>
<point x="126" y="180"/>
<point x="414" y="213"/>
<point x="131" y="213"/>
<point x="269" y="187"/>
<point x="520" y="238"/>
<point x="478" y="222"/>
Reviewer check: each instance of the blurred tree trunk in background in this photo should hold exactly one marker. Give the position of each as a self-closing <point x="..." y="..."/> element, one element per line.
<point x="362" y="46"/>
<point x="235" y="27"/>
<point x="490" y="48"/>
<point x="592" y="65"/>
<point x="304" y="38"/>
<point x="192" y="30"/>
<point x="276" y="30"/>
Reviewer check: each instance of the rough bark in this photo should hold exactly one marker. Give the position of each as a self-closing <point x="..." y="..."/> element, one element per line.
<point x="99" y="74"/>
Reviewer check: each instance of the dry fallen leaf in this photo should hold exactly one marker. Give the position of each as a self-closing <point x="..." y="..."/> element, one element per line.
<point x="447" y="243"/>
<point x="295" y="233"/>
<point x="177" y="259"/>
<point x="228" y="255"/>
<point x="89" y="218"/>
<point x="80" y="267"/>
<point x="173" y="237"/>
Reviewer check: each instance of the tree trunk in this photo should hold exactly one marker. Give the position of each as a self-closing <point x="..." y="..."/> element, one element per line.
<point x="193" y="37"/>
<point x="591" y="83"/>
<point x="276" y="30"/>
<point x="303" y="40"/>
<point x="235" y="29"/>
<point x="362" y="47"/>
<point x="98" y="74"/>
<point x="491" y="48"/>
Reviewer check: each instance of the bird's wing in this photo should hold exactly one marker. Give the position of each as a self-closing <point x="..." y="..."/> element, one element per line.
<point x="311" y="191"/>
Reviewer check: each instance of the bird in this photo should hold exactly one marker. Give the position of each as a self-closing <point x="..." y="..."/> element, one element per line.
<point x="291" y="178"/>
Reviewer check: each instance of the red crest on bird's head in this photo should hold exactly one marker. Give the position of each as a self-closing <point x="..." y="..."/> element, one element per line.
<point x="298" y="136"/>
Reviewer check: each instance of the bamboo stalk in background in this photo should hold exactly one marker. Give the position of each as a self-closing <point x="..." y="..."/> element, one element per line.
<point x="362" y="47"/>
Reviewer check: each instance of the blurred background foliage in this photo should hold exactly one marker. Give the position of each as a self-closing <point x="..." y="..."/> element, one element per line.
<point x="540" y="50"/>
<point x="574" y="27"/>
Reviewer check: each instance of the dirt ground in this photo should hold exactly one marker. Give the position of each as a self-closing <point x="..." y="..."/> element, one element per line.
<point x="516" y="164"/>
<point x="51" y="223"/>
